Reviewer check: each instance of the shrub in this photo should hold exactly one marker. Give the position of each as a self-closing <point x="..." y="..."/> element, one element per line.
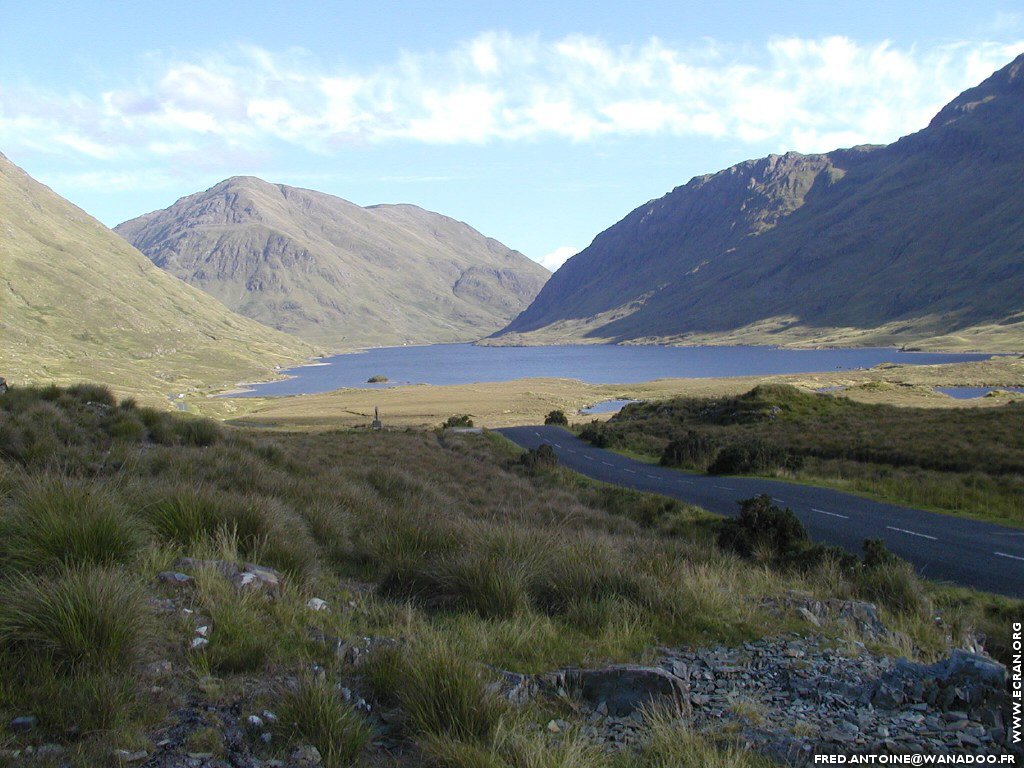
<point x="377" y="379"/>
<point x="458" y="421"/>
<point x="541" y="457"/>
<point x="92" y="617"/>
<point x="693" y="449"/>
<point x="61" y="522"/>
<point x="596" y="434"/>
<point x="440" y="691"/>
<point x="557" y="418"/>
<point x="763" y="527"/>
<point x="751" y="458"/>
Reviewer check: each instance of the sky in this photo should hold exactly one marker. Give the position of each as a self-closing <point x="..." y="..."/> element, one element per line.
<point x="538" y="123"/>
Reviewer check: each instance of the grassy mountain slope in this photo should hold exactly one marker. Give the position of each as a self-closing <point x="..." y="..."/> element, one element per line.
<point x="921" y="241"/>
<point x="77" y="302"/>
<point x="333" y="272"/>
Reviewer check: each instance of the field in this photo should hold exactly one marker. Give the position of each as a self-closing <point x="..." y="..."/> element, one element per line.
<point x="440" y="556"/>
<point x="962" y="460"/>
<point x="527" y="401"/>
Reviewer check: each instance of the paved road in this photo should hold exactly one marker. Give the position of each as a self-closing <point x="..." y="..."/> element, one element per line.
<point x="976" y="554"/>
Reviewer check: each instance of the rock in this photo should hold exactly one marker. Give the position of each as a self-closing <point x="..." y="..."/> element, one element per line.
<point x="808" y="616"/>
<point x="259" y="579"/>
<point x="174" y="578"/>
<point x="198" y="643"/>
<point x="553" y="727"/>
<point x="49" y="750"/>
<point x="192" y="565"/>
<point x="621" y="688"/>
<point x="203" y="631"/>
<point x="316" y="604"/>
<point x="307" y="755"/>
<point x="124" y="757"/>
<point x="159" y="669"/>
<point x="24" y="724"/>
<point x="254" y="723"/>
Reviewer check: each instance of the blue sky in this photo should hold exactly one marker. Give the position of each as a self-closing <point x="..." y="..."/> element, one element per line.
<point x="540" y="124"/>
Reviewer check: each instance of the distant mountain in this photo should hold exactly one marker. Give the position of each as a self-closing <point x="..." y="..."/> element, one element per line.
<point x="335" y="273"/>
<point x="919" y="242"/>
<point x="77" y="302"/>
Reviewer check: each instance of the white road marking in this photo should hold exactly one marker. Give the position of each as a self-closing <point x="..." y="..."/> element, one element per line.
<point x="723" y="488"/>
<point x="1012" y="557"/>
<point x="831" y="514"/>
<point x="686" y="482"/>
<point x="607" y="464"/>
<point x="631" y="471"/>
<point x="911" y="533"/>
<point x="570" y="450"/>
<point x="536" y="433"/>
<point x="779" y="501"/>
<point x="588" y="458"/>
<point x="556" y="445"/>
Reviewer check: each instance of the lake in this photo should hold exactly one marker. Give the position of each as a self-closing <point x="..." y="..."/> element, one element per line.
<point x="594" y="364"/>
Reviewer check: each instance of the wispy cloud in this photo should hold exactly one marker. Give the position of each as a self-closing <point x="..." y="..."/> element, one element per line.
<point x="804" y="94"/>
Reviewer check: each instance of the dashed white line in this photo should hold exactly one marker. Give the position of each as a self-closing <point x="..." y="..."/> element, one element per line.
<point x="570" y="450"/>
<point x="588" y="458"/>
<point x="830" y="514"/>
<point x="911" y="533"/>
<point x="556" y="445"/>
<point x="653" y="477"/>
<point x="778" y="501"/>
<point x="723" y="488"/>
<point x="631" y="471"/>
<point x="1012" y="557"/>
<point x="537" y="434"/>
<point x="607" y="464"/>
<point x="686" y="482"/>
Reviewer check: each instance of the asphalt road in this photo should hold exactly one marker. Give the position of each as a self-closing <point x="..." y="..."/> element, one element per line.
<point x="968" y="552"/>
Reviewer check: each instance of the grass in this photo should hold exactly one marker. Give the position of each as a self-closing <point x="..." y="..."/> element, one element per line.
<point x="82" y="617"/>
<point x="441" y="692"/>
<point x="529" y="401"/>
<point x="444" y="546"/>
<point x="314" y="713"/>
<point x="960" y="460"/>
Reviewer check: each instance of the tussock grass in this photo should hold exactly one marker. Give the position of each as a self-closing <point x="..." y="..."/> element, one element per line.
<point x="94" y="617"/>
<point x="314" y="713"/>
<point x="670" y="744"/>
<point x="442" y="693"/>
<point x="56" y="522"/>
<point x="442" y="542"/>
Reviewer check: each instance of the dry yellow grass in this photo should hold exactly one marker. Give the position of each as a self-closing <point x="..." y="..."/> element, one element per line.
<point x="527" y="401"/>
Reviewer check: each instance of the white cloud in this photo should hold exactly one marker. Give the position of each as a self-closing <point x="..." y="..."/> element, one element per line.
<point x="795" y="93"/>
<point x="557" y="257"/>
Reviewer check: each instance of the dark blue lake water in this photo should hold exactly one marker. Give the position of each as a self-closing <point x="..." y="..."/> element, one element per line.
<point x="970" y="393"/>
<point x="594" y="364"/>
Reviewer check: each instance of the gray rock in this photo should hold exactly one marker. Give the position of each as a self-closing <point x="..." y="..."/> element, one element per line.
<point x="621" y="688"/>
<point x="24" y="724"/>
<point x="174" y="578"/>
<point x="307" y="755"/>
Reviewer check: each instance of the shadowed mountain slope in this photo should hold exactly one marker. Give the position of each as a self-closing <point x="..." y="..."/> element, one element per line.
<point x="920" y="241"/>
<point x="335" y="273"/>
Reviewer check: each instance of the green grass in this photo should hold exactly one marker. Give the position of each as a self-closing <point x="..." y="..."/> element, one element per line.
<point x="312" y="712"/>
<point x="88" y="617"/>
<point x="966" y="461"/>
<point x="446" y="545"/>
<point x="442" y="693"/>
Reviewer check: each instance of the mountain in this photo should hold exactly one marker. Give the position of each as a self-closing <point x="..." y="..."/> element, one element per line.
<point x="334" y="273"/>
<point x="79" y="303"/>
<point x="919" y="242"/>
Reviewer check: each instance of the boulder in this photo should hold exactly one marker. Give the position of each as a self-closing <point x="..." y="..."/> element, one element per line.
<point x="258" y="578"/>
<point x="621" y="688"/>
